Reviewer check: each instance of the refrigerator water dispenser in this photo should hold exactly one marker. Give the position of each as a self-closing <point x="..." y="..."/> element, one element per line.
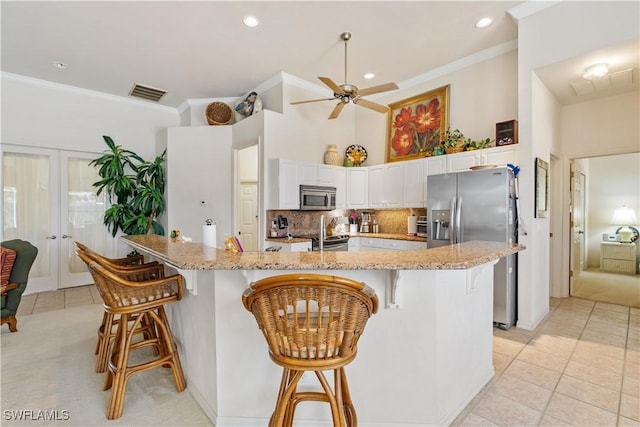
<point x="440" y="227"/>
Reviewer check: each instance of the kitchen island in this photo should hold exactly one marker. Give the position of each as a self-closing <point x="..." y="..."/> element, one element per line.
<point x="422" y="358"/>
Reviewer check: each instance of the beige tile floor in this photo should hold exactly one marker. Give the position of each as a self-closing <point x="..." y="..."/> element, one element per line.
<point x="580" y="367"/>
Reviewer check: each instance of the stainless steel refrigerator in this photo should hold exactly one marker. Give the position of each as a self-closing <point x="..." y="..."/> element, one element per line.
<point x="478" y="205"/>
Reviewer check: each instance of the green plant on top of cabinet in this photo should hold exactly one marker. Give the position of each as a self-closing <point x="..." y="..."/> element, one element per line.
<point x="134" y="187"/>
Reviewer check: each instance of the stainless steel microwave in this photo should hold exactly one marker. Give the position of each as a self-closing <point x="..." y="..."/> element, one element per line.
<point x="317" y="198"/>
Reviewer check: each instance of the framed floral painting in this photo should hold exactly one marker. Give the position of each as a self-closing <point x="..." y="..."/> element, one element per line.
<point x="416" y="125"/>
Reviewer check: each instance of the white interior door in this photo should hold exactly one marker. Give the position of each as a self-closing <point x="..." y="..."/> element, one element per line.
<point x="48" y="200"/>
<point x="578" y="194"/>
<point x="249" y="216"/>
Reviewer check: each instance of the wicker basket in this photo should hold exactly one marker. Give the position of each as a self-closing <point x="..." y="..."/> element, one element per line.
<point x="219" y="113"/>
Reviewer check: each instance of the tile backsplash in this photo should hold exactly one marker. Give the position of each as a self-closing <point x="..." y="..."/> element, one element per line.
<point x="392" y="221"/>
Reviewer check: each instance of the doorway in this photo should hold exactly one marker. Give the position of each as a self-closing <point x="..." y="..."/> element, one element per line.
<point x="609" y="182"/>
<point x="49" y="200"/>
<point x="246" y="215"/>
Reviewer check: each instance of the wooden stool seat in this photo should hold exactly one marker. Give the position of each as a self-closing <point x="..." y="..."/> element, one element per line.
<point x="133" y="302"/>
<point x="312" y="322"/>
<point x="130" y="268"/>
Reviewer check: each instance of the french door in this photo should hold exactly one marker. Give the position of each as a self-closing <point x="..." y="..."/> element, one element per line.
<point x="49" y="200"/>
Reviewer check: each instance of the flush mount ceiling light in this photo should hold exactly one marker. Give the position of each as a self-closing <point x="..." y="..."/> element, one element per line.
<point x="59" y="65"/>
<point x="484" y="22"/>
<point x="595" y="71"/>
<point x="369" y="76"/>
<point x="250" y="21"/>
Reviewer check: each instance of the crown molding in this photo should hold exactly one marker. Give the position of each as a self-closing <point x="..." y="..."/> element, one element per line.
<point x="530" y="8"/>
<point x="81" y="91"/>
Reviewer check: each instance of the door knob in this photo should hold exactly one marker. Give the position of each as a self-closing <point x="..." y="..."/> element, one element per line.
<point x="64" y="236"/>
<point x="580" y="232"/>
<point x="53" y="237"/>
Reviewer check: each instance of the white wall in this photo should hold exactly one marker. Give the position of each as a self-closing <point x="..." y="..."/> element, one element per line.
<point x="41" y="114"/>
<point x="481" y="95"/>
<point x="602" y="127"/>
<point x="570" y="29"/>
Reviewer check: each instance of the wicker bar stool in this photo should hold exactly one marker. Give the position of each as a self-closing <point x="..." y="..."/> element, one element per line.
<point x="312" y="322"/>
<point x="130" y="268"/>
<point x="127" y="299"/>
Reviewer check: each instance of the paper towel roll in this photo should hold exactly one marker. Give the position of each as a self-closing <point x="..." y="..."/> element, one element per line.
<point x="412" y="224"/>
<point x="209" y="235"/>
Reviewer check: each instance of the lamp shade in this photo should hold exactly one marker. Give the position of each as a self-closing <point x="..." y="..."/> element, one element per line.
<point x="624" y="216"/>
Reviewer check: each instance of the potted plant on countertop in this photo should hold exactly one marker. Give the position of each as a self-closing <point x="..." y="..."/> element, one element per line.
<point x="454" y="141"/>
<point x="134" y="187"/>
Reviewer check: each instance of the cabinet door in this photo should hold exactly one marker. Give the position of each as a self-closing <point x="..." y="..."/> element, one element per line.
<point x="500" y="155"/>
<point x="376" y="186"/>
<point x="393" y="183"/>
<point x="308" y="173"/>
<point x="284" y="187"/>
<point x="460" y="162"/>
<point x="340" y="182"/>
<point x="413" y="184"/>
<point x="357" y="188"/>
<point x="435" y="165"/>
<point x="327" y="175"/>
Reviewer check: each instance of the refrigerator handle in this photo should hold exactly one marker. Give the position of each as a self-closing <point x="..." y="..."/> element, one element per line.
<point x="452" y="222"/>
<point x="458" y="221"/>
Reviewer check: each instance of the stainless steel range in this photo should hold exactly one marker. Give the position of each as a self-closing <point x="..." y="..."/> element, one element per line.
<point x="330" y="243"/>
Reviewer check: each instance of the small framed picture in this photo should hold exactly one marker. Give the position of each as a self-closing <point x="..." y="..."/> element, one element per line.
<point x="507" y="133"/>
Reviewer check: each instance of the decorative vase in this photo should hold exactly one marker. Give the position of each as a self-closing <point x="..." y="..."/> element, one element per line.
<point x="331" y="156"/>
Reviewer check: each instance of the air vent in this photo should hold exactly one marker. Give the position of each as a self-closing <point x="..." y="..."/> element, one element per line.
<point x="147" y="92"/>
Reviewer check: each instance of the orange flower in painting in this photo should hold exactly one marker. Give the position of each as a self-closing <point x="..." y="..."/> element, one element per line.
<point x="402" y="141"/>
<point x="403" y="118"/>
<point x="428" y="116"/>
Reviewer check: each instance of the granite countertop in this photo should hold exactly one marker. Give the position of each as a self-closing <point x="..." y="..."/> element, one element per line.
<point x="195" y="256"/>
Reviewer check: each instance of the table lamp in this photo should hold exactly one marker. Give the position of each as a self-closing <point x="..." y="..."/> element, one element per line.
<point x="625" y="217"/>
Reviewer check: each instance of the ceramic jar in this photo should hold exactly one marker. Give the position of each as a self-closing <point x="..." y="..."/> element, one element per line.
<point x="331" y="156"/>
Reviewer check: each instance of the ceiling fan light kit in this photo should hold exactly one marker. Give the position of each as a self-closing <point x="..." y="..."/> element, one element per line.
<point x="347" y="93"/>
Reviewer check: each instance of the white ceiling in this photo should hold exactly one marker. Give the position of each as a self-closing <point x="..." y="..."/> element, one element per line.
<point x="201" y="49"/>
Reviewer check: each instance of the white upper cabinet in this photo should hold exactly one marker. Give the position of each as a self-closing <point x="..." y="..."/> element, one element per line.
<point x="434" y="165"/>
<point x="357" y="188"/>
<point x="340" y="182"/>
<point x="284" y="185"/>
<point x="499" y="156"/>
<point x="413" y="183"/>
<point x="308" y="173"/>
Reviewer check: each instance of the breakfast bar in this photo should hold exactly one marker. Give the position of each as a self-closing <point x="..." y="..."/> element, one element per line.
<point x="424" y="355"/>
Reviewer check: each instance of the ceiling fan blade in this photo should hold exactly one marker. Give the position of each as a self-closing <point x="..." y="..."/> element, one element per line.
<point x="312" y="100"/>
<point x="334" y="87"/>
<point x="377" y="89"/>
<point x="336" y="111"/>
<point x="372" y="105"/>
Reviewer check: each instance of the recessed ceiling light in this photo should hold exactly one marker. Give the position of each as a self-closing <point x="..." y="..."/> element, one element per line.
<point x="595" y="71"/>
<point x="369" y="76"/>
<point x="59" y="64"/>
<point x="250" y="21"/>
<point x="484" y="22"/>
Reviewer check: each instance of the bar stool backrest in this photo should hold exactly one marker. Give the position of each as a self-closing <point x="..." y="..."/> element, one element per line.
<point x="311" y="321"/>
<point x="122" y="295"/>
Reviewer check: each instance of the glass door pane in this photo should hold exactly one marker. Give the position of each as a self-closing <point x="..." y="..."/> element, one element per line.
<point x="82" y="213"/>
<point x="30" y="210"/>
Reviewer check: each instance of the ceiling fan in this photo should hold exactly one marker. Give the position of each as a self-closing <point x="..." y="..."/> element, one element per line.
<point x="349" y="93"/>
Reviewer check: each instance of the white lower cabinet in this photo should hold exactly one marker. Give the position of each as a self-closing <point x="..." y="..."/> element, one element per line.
<point x="290" y="247"/>
<point x="379" y="244"/>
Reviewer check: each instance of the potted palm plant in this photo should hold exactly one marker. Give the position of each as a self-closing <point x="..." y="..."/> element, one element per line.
<point x="134" y="187"/>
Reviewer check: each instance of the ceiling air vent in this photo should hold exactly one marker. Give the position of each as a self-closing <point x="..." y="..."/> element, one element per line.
<point x="147" y="92"/>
